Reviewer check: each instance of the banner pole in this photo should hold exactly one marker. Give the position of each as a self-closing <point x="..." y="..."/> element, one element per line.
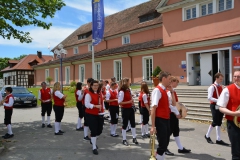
<point x="93" y="66"/>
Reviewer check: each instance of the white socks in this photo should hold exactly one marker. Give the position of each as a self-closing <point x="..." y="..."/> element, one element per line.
<point x="141" y="117"/>
<point x="112" y="128"/>
<point x="134" y="132"/>
<point x="79" y="123"/>
<point x="85" y="131"/>
<point x="158" y="157"/>
<point x="9" y="127"/>
<point x="56" y="127"/>
<point x="177" y="140"/>
<point x="43" y="119"/>
<point x="143" y="129"/>
<point x="146" y="129"/>
<point x="48" y="119"/>
<point x="218" y="133"/>
<point x="94" y="141"/>
<point x="209" y="131"/>
<point x="115" y="128"/>
<point x="124" y="134"/>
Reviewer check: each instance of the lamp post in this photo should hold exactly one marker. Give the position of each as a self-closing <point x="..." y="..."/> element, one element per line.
<point x="60" y="53"/>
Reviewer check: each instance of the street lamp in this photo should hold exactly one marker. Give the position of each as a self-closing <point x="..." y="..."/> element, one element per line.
<point x="60" y="53"/>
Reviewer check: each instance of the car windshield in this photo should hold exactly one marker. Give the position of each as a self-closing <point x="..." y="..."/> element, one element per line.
<point x="20" y="90"/>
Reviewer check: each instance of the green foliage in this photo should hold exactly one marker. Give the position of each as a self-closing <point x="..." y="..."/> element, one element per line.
<point x="73" y="84"/>
<point x="156" y="71"/>
<point x="16" y="14"/>
<point x="72" y="89"/>
<point x="49" y="80"/>
<point x="20" y="57"/>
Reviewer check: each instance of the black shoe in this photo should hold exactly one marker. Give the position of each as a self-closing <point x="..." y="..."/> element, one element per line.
<point x="61" y="131"/>
<point x="6" y="136"/>
<point x="222" y="143"/>
<point x="135" y="141"/>
<point x="167" y="152"/>
<point x="128" y="130"/>
<point x="148" y="135"/>
<point x="58" y="133"/>
<point x="95" y="152"/>
<point x="49" y="126"/>
<point x="144" y="136"/>
<point x="79" y="129"/>
<point x="86" y="138"/>
<point x="43" y="125"/>
<point x="114" y="135"/>
<point x="208" y="139"/>
<point x="184" y="150"/>
<point x="125" y="142"/>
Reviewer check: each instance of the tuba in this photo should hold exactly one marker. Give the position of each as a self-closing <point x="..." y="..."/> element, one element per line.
<point x="182" y="109"/>
<point x="235" y="119"/>
<point x="152" y="146"/>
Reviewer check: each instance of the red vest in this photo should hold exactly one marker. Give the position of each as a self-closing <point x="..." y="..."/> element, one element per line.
<point x="7" y="101"/>
<point x="219" y="88"/>
<point x="45" y="94"/>
<point x="113" y="95"/>
<point x="57" y="101"/>
<point x="95" y="101"/>
<point x="140" y="96"/>
<point x="163" y="110"/>
<point x="142" y="102"/>
<point x="127" y="97"/>
<point x="76" y="96"/>
<point x="234" y="100"/>
<point x="175" y="95"/>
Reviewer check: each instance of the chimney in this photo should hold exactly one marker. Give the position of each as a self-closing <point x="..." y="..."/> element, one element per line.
<point x="39" y="54"/>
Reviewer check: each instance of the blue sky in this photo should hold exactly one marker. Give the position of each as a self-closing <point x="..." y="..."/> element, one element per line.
<point x="67" y="20"/>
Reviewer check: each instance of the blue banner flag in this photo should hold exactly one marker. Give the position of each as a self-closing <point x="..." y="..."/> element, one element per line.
<point x="97" y="21"/>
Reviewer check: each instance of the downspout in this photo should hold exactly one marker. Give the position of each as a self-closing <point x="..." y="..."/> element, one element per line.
<point x="130" y="68"/>
<point x="73" y="70"/>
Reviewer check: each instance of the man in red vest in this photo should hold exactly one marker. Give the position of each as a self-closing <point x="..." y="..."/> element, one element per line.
<point x="45" y="96"/>
<point x="160" y="113"/>
<point x="214" y="92"/>
<point x="228" y="103"/>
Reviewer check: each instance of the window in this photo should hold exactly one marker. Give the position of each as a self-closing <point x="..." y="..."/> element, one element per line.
<point x="206" y="9"/>
<point x="75" y="50"/>
<point x="81" y="73"/>
<point x="225" y="5"/>
<point x="98" y="71"/>
<point x="118" y="69"/>
<point x="46" y="73"/>
<point x="191" y="13"/>
<point x="67" y="75"/>
<point x="147" y="68"/>
<point x="148" y="17"/>
<point x="90" y="47"/>
<point x="56" y="75"/>
<point x="126" y="39"/>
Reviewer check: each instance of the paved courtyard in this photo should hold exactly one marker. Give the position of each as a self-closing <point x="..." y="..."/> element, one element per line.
<point x="31" y="142"/>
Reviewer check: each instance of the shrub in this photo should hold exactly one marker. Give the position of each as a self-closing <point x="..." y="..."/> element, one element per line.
<point x="73" y="84"/>
<point x="156" y="71"/>
<point x="72" y="89"/>
<point x="49" y="80"/>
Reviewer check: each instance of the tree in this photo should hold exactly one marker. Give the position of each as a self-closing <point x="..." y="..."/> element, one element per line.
<point x="20" y="13"/>
<point x="20" y="57"/>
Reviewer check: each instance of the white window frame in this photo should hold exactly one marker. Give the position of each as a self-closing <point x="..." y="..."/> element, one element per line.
<point x="144" y="68"/>
<point x="56" y="78"/>
<point x="123" y="39"/>
<point x="90" y="47"/>
<point x="46" y="74"/>
<point x="80" y="73"/>
<point x="67" y="67"/>
<point x="74" y="49"/>
<point x="225" y="5"/>
<point x="115" y="69"/>
<point x="95" y="65"/>
<point x="207" y="3"/>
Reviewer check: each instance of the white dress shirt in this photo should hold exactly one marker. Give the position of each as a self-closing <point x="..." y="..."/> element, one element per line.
<point x="144" y="97"/>
<point x="10" y="102"/>
<point x="89" y="105"/>
<point x="224" y="97"/>
<point x="39" y="95"/>
<point x="107" y="87"/>
<point x="59" y="94"/>
<point x="80" y="95"/>
<point x="211" y="89"/>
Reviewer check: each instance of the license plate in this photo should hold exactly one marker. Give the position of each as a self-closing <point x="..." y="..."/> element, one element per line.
<point x="27" y="102"/>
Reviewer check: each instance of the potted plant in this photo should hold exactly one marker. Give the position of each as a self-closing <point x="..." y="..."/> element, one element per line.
<point x="155" y="75"/>
<point x="49" y="80"/>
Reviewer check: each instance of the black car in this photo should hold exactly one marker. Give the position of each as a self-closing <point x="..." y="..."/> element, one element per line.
<point x="21" y="96"/>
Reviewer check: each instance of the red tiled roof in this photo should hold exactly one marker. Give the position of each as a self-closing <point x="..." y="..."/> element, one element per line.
<point x="13" y="61"/>
<point x="121" y="22"/>
<point x="23" y="64"/>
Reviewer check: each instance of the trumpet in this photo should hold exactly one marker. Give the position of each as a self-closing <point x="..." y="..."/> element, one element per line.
<point x="152" y="146"/>
<point x="235" y="119"/>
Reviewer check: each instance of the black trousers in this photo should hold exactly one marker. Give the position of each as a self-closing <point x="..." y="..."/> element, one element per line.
<point x="174" y="125"/>
<point x="128" y="114"/>
<point x="46" y="107"/>
<point x="234" y="137"/>
<point x="59" y="111"/>
<point x="106" y="105"/>
<point x="217" y="116"/>
<point x="95" y="124"/>
<point x="114" y="113"/>
<point x="145" y="114"/>
<point x="84" y="114"/>
<point x="8" y="116"/>
<point x="140" y="107"/>
<point x="80" y="109"/>
<point x="163" y="130"/>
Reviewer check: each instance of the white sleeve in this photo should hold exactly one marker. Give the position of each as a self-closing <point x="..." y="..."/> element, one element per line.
<point x="156" y="96"/>
<point x="120" y="96"/>
<point x="10" y="102"/>
<point x="107" y="87"/>
<point x="172" y="108"/>
<point x="87" y="101"/>
<point x="59" y="94"/>
<point x="223" y="98"/>
<point x="210" y="94"/>
<point x="80" y="95"/>
<point x="108" y="95"/>
<point x="39" y="95"/>
<point x="145" y="98"/>
<point x="169" y="97"/>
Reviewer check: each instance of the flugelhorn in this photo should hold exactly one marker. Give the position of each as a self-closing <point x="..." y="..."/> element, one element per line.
<point x="182" y="109"/>
<point x="235" y="119"/>
<point x="152" y="146"/>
